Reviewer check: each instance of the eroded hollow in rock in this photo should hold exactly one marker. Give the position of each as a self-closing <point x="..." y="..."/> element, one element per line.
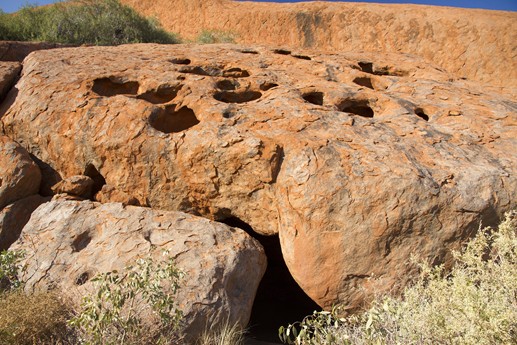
<point x="180" y="61"/>
<point x="236" y="72"/>
<point x="302" y="57"/>
<point x="249" y="51"/>
<point x="279" y="300"/>
<point x="83" y="278"/>
<point x="282" y="51"/>
<point x="162" y="95"/>
<point x="82" y="241"/>
<point x="421" y="114"/>
<point x="226" y="84"/>
<point x="364" y="81"/>
<point x="171" y="120"/>
<point x="237" y="97"/>
<point x="112" y="86"/>
<point x="98" y="180"/>
<point x="314" y="97"/>
<point x="356" y="107"/>
<point x="266" y="86"/>
<point x="204" y="71"/>
<point x="367" y="67"/>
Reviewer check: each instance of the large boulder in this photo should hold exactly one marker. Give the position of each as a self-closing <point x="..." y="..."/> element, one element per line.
<point x="357" y="161"/>
<point x="13" y="218"/>
<point x="19" y="176"/>
<point x="68" y="242"/>
<point x="9" y="72"/>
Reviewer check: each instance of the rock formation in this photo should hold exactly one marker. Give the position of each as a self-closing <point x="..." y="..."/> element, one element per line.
<point x="17" y="51"/>
<point x="9" y="72"/>
<point x="68" y="242"/>
<point x="19" y="176"/>
<point x="356" y="160"/>
<point x="476" y="44"/>
<point x="13" y="218"/>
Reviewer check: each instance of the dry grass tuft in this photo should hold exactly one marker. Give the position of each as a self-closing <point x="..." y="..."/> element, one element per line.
<point x="33" y="319"/>
<point x="224" y="334"/>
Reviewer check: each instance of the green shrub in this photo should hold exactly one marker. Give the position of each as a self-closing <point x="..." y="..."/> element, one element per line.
<point x="10" y="269"/>
<point x="215" y="36"/>
<point x="113" y="313"/>
<point x="100" y="22"/>
<point x="475" y="303"/>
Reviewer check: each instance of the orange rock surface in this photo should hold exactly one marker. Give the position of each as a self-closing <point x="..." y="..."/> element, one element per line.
<point x="476" y="44"/>
<point x="356" y="160"/>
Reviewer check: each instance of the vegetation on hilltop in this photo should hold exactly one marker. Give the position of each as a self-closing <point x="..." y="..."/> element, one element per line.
<point x="98" y="22"/>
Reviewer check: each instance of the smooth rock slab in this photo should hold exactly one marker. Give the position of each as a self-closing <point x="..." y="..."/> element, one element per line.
<point x="68" y="242"/>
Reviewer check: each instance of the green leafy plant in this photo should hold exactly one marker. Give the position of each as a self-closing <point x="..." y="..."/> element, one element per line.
<point x="215" y="36"/>
<point x="474" y="303"/>
<point x="99" y="22"/>
<point x="319" y="325"/>
<point x="10" y="269"/>
<point x="113" y="314"/>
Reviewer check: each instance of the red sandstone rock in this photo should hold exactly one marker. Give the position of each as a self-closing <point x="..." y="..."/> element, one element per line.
<point x="17" y="51"/>
<point x="9" y="72"/>
<point x="78" y="185"/>
<point x="110" y="194"/>
<point x="68" y="242"/>
<point x="472" y="43"/>
<point x="357" y="160"/>
<point x="19" y="176"/>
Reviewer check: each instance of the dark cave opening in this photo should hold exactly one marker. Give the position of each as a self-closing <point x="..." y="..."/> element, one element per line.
<point x="279" y="300"/>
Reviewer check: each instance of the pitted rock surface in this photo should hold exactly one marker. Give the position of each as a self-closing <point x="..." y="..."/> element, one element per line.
<point x="19" y="176"/>
<point x="68" y="242"/>
<point x="356" y="160"/>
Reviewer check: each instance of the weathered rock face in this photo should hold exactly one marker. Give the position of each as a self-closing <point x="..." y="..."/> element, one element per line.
<point x="477" y="44"/>
<point x="19" y="175"/>
<point x="9" y="72"/>
<point x="78" y="185"/>
<point x="68" y="242"/>
<point x="356" y="160"/>
<point x="17" y="51"/>
<point x="13" y="218"/>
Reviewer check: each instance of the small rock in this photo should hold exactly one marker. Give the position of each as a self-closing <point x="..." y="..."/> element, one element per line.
<point x="79" y="186"/>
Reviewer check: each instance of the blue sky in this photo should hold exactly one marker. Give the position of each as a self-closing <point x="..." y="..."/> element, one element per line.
<point x="507" y="5"/>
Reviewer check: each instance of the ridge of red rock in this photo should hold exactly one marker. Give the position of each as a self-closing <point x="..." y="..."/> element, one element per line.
<point x="476" y="44"/>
